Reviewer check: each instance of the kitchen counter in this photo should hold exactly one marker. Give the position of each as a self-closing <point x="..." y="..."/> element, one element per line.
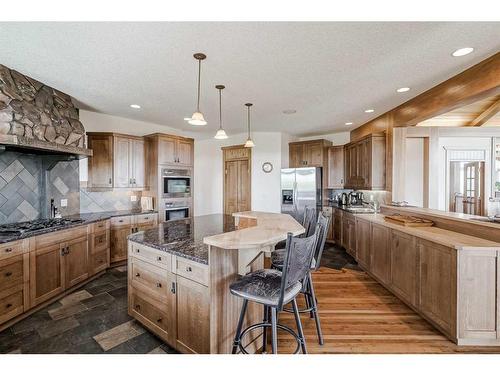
<point x="185" y="238"/>
<point x="443" y="237"/>
<point x="73" y="221"/>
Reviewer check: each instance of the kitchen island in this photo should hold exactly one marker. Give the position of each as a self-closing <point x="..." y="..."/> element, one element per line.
<point x="179" y="275"/>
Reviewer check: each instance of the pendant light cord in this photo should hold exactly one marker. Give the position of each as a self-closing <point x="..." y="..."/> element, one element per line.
<point x="220" y="108"/>
<point x="248" y="122"/>
<point x="199" y="79"/>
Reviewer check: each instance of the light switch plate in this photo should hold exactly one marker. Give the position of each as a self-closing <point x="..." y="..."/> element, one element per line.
<point x="133" y="198"/>
<point x="64" y="203"/>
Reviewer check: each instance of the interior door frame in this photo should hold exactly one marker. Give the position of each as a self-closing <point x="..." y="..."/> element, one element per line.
<point x="224" y="159"/>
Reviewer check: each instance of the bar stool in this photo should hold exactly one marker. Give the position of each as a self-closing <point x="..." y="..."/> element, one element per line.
<point x="274" y="289"/>
<point x="309" y="224"/>
<point x="308" y="287"/>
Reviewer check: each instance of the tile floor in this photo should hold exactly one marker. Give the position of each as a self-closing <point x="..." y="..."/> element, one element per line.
<point x="94" y="319"/>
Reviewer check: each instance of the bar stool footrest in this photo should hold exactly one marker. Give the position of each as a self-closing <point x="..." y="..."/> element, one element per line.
<point x="265" y="325"/>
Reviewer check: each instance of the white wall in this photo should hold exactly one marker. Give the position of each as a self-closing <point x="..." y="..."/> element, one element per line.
<point x="337" y="139"/>
<point x="414" y="171"/>
<point x="208" y="174"/>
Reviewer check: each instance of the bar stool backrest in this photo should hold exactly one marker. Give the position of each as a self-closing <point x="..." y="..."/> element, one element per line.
<point x="298" y="258"/>
<point x="322" y="229"/>
<point x="309" y="222"/>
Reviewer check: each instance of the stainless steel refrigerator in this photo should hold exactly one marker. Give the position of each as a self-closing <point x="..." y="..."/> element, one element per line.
<point x="300" y="187"/>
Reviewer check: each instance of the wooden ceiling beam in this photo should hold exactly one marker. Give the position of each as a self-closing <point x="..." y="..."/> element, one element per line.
<point x="486" y="115"/>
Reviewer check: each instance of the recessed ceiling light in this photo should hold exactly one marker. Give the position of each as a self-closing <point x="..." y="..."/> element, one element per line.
<point x="403" y="89"/>
<point x="462" y="51"/>
<point x="135" y="106"/>
<point x="289" y="111"/>
<point x="348" y="123"/>
<point x="369" y="110"/>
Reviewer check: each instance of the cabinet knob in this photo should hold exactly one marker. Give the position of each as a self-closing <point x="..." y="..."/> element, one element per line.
<point x="158" y="259"/>
<point x="138" y="251"/>
<point x="159" y="320"/>
<point x="110" y="180"/>
<point x="137" y="274"/>
<point x="8" y="274"/>
<point x="158" y="285"/>
<point x="189" y="269"/>
<point x="8" y="305"/>
<point x="8" y="250"/>
<point x="137" y="307"/>
<point x="172" y="288"/>
<point x="120" y="221"/>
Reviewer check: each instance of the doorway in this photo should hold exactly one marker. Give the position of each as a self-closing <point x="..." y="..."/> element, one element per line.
<point x="237" y="179"/>
<point x="467" y="187"/>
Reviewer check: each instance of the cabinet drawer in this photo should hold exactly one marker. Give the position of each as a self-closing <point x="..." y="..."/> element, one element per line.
<point x="100" y="261"/>
<point x="12" y="248"/>
<point x="152" y="280"/>
<point x="11" y="306"/>
<point x="11" y="272"/>
<point x="147" y="218"/>
<point x="191" y="270"/>
<point x="49" y="239"/>
<point x="155" y="314"/>
<point x="100" y="226"/>
<point x="100" y="241"/>
<point x="121" y="220"/>
<point x="157" y="257"/>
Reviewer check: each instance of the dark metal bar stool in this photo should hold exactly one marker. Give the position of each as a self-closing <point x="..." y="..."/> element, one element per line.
<point x="309" y="224"/>
<point x="308" y="287"/>
<point x="274" y="289"/>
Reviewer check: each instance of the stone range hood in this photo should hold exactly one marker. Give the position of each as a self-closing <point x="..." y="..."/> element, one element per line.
<point x="38" y="119"/>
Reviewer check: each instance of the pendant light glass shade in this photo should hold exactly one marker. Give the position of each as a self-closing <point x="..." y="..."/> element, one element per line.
<point x="221" y="134"/>
<point x="249" y="142"/>
<point x="197" y="118"/>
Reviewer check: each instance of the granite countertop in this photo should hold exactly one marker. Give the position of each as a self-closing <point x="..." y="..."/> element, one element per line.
<point x="184" y="238"/>
<point x="73" y="221"/>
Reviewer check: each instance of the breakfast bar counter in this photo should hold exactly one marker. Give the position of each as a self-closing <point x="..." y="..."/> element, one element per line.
<point x="180" y="272"/>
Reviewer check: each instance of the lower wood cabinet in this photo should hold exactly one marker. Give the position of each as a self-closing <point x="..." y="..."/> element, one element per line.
<point x="404" y="266"/>
<point x="193" y="313"/>
<point x="76" y="261"/>
<point x="380" y="253"/>
<point x="337" y="226"/>
<point x="349" y="233"/>
<point x="438" y="284"/>
<point x="363" y="242"/>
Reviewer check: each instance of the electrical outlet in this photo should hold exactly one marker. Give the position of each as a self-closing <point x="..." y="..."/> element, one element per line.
<point x="64" y="203"/>
<point x="133" y="198"/>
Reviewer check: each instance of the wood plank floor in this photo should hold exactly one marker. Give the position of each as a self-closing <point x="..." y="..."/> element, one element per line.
<point x="358" y="315"/>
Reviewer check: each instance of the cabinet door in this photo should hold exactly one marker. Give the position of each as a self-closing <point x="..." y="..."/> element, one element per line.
<point x="353" y="166"/>
<point x="193" y="316"/>
<point x="118" y="245"/>
<point x="138" y="163"/>
<point x="337" y="227"/>
<point x="295" y="155"/>
<point x="345" y="233"/>
<point x="46" y="273"/>
<point x="336" y="167"/>
<point x="122" y="151"/>
<point x="76" y="259"/>
<point x="166" y="150"/>
<point x="380" y="263"/>
<point x="184" y="152"/>
<point x="404" y="267"/>
<point x="314" y="154"/>
<point x="100" y="164"/>
<point x="352" y="238"/>
<point x="363" y="243"/>
<point x="437" y="297"/>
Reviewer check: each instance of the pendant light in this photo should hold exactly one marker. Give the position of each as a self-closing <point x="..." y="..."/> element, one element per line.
<point x="197" y="117"/>
<point x="221" y="134"/>
<point x="249" y="142"/>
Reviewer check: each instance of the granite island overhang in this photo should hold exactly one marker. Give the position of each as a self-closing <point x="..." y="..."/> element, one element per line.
<point x="179" y="275"/>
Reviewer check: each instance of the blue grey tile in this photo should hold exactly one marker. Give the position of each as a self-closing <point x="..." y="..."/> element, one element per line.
<point x="12" y="170"/>
<point x="12" y="203"/>
<point x="12" y="187"/>
<point x="33" y="197"/>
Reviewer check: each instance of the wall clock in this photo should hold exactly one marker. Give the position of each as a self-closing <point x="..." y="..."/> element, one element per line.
<point x="267" y="167"/>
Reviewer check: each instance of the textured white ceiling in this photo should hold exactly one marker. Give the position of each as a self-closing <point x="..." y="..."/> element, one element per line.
<point x="328" y="72"/>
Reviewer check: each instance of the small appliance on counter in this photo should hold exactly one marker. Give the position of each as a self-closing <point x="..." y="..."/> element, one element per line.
<point x="147" y="203"/>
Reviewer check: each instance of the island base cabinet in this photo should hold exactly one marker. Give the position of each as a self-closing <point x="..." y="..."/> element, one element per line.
<point x="478" y="315"/>
<point x="380" y="253"/>
<point x="404" y="266"/>
<point x="438" y="285"/>
<point x="193" y="315"/>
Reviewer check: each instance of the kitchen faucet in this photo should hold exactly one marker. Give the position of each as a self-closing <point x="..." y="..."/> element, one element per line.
<point x="53" y="209"/>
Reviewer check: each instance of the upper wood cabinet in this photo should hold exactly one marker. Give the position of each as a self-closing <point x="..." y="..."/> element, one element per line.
<point x="308" y="153"/>
<point x="336" y="167"/>
<point x="175" y="150"/>
<point x="118" y="161"/>
<point x="364" y="163"/>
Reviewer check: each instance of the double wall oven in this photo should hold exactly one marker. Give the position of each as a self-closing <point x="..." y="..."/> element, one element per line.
<point x="176" y="193"/>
